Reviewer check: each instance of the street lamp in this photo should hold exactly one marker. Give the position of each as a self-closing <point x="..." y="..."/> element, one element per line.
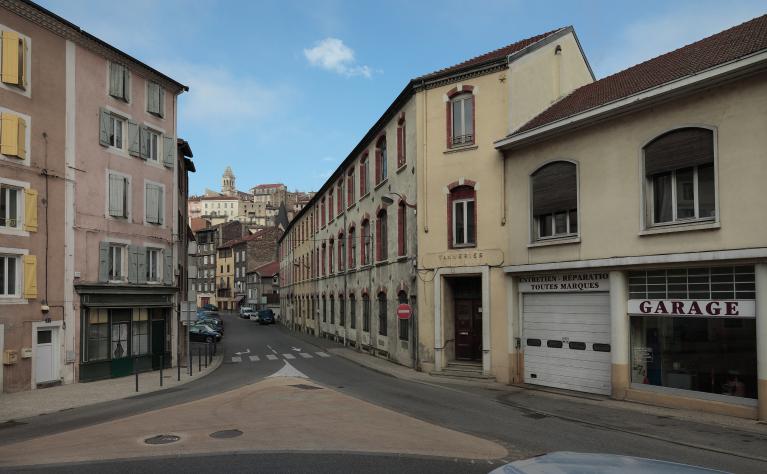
<point x="388" y="201"/>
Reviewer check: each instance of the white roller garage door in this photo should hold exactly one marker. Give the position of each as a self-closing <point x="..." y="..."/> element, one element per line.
<point x="567" y="340"/>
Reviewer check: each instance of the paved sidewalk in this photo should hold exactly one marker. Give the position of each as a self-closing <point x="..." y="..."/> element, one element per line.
<point x="20" y="405"/>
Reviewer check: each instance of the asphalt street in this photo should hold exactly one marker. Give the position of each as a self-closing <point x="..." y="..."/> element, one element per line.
<point x="253" y="352"/>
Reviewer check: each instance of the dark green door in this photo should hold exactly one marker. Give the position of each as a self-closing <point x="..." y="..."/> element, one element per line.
<point x="158" y="342"/>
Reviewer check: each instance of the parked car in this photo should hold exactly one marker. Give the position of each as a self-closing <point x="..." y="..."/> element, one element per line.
<point x="246" y="312"/>
<point x="266" y="316"/>
<point x="209" y="307"/>
<point x="212" y="320"/>
<point x="203" y="333"/>
<point x="254" y="317"/>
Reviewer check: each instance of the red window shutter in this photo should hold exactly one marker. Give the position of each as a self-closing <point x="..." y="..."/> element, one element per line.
<point x="378" y="166"/>
<point x="400" y="154"/>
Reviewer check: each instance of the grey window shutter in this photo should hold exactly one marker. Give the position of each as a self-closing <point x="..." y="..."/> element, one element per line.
<point x="168" y="151"/>
<point x="144" y="140"/>
<point x="160" y="204"/>
<point x="134" y="138"/>
<point x="167" y="272"/>
<point x="104" y="127"/>
<point x="126" y="84"/>
<point x="117" y="196"/>
<point x="115" y="79"/>
<point x="132" y="264"/>
<point x="555" y="188"/>
<point x="141" y="255"/>
<point x="103" y="262"/>
<point x="678" y="149"/>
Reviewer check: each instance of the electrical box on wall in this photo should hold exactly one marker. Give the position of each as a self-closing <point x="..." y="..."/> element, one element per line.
<point x="26" y="352"/>
<point x="10" y="357"/>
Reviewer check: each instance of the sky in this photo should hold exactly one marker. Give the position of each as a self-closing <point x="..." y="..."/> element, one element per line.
<point x="282" y="91"/>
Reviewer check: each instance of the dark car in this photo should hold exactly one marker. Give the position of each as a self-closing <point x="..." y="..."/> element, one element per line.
<point x="212" y="320"/>
<point x="203" y="333"/>
<point x="266" y="316"/>
<point x="209" y="307"/>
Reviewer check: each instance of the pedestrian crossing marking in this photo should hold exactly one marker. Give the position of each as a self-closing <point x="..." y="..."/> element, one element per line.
<point x="288" y="356"/>
<point x="305" y="355"/>
<point x="254" y="358"/>
<point x="323" y="354"/>
<point x="236" y="359"/>
<point x="271" y="357"/>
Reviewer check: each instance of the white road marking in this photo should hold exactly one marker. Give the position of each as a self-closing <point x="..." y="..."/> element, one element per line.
<point x="254" y="358"/>
<point x="297" y="349"/>
<point x="305" y="355"/>
<point x="323" y="354"/>
<point x="237" y="359"/>
<point x="288" y="356"/>
<point x="247" y="351"/>
<point x="288" y="370"/>
<point x="271" y="357"/>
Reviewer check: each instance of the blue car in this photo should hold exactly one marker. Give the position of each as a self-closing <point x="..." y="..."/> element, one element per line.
<point x="266" y="316"/>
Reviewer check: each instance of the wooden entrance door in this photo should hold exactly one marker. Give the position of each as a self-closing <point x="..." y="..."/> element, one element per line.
<point x="468" y="329"/>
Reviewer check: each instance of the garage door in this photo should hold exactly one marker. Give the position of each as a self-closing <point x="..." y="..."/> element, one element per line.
<point x="567" y="340"/>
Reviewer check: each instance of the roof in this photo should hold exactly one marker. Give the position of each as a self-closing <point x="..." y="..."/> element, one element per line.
<point x="268" y="270"/>
<point x="726" y="46"/>
<point x="271" y="185"/>
<point x="198" y="223"/>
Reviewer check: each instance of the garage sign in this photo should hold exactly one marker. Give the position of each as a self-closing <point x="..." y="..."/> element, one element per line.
<point x="694" y="308"/>
<point x="564" y="283"/>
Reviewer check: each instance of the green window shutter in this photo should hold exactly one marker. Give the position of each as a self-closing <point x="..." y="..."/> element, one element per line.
<point x="141" y="255"/>
<point x="132" y="264"/>
<point x="104" y="127"/>
<point x="167" y="273"/>
<point x="103" y="261"/>
<point x="144" y="142"/>
<point x="168" y="151"/>
<point x="134" y="139"/>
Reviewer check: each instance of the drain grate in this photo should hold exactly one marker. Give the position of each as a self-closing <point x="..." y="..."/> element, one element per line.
<point x="226" y="434"/>
<point x="162" y="439"/>
<point x="304" y="386"/>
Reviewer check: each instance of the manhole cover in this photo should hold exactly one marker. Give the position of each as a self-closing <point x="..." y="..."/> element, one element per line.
<point x="303" y="386"/>
<point x="224" y="434"/>
<point x="162" y="439"/>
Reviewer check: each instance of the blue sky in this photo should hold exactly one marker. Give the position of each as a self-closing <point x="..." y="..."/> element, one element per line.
<point x="283" y="90"/>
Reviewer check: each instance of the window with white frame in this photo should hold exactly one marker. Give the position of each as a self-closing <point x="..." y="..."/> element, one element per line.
<point x="155" y="204"/>
<point x="680" y="177"/>
<point x="10" y="269"/>
<point x="152" y="145"/>
<point x="555" y="200"/>
<point x="10" y="206"/>
<point x="462" y="208"/>
<point x="153" y="265"/>
<point x="119" y="81"/>
<point x="116" y="264"/>
<point x="116" y="125"/>
<point x="462" y="119"/>
<point x="119" y="186"/>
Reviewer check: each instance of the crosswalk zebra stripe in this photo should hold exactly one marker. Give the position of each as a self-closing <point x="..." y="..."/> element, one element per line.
<point x="323" y="354"/>
<point x="254" y="358"/>
<point x="305" y="355"/>
<point x="271" y="356"/>
<point x="288" y="356"/>
<point x="236" y="359"/>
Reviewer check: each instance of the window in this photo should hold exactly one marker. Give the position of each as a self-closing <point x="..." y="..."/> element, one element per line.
<point x="401" y="148"/>
<point x="332" y="310"/>
<point x="404" y="324"/>
<point x="10" y="206"/>
<point x="98" y="334"/>
<point x="340" y="197"/>
<point x="140" y="332"/>
<point x="322" y="266"/>
<point x="119" y="81"/>
<point x="13" y="141"/>
<point x="322" y="211"/>
<point x="366" y="312"/>
<point x="365" y="244"/>
<point x="382" y="319"/>
<point x="324" y="308"/>
<point x="330" y="205"/>
<point x="118" y="195"/>
<point x="350" y="188"/>
<point x="555" y="200"/>
<point x="153" y="259"/>
<point x="151" y="144"/>
<point x="364" y="175"/>
<point x="115" y="129"/>
<point x="680" y="177"/>
<point x="9" y="276"/>
<point x="461" y="120"/>
<point x="331" y="256"/>
<point x="401" y="229"/>
<point x="15" y="64"/>
<point x="462" y="216"/>
<point x="341" y="251"/>
<point x="352" y="312"/>
<point x="381" y="161"/>
<point x="155" y="99"/>
<point x="116" y="265"/>
<point x="155" y="204"/>
<point x="352" y="249"/>
<point x="382" y="237"/>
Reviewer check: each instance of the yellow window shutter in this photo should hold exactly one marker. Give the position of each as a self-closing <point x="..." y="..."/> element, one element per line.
<point x="21" y="138"/>
<point x="10" y="134"/>
<point x="30" y="276"/>
<point x="30" y="210"/>
<point x="10" y="74"/>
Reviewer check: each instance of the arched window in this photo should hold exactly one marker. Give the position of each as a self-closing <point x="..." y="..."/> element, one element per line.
<point x="366" y="312"/>
<point x="341" y="251"/>
<point x="350" y="187"/>
<point x="364" y="183"/>
<point x="340" y="197"/>
<point x="382" y="236"/>
<point x="322" y="211"/>
<point x="352" y="249"/>
<point x="555" y="200"/>
<point x="330" y="204"/>
<point x="324" y="310"/>
<point x="341" y="311"/>
<point x="401" y="137"/>
<point x="352" y="311"/>
<point x="680" y="180"/>
<point x="382" y="316"/>
<point x="365" y="243"/>
<point x="381" y="160"/>
<point x="401" y="229"/>
<point x="404" y="324"/>
<point x="332" y="310"/>
<point x="461" y="117"/>
<point x="322" y="266"/>
<point x="331" y="256"/>
<point x="462" y="217"/>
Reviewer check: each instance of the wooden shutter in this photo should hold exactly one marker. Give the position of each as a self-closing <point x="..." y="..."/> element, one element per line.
<point x="21" y="138"/>
<point x="168" y="151"/>
<point x="160" y="205"/>
<point x="678" y="149"/>
<point x="9" y="140"/>
<point x="141" y="252"/>
<point x="104" y="127"/>
<point x="160" y="101"/>
<point x="555" y="188"/>
<point x="134" y="139"/>
<point x="150" y="198"/>
<point x="103" y="262"/>
<point x="132" y="264"/>
<point x="116" y="199"/>
<point x="30" y="276"/>
<point x="167" y="273"/>
<point x="30" y="210"/>
<point x="144" y="143"/>
<point x="116" y="78"/>
<point x="10" y="74"/>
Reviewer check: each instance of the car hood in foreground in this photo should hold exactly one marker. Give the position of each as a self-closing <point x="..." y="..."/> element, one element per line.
<point x="563" y="462"/>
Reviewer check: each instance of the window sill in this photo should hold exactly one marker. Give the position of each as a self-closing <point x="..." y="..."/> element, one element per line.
<point x="13" y="231"/>
<point x="562" y="241"/>
<point x="463" y="246"/>
<point x="381" y="263"/>
<point x="685" y="227"/>
<point x="401" y="168"/>
<point x="403" y="258"/>
<point x="351" y="206"/>
<point x="7" y="300"/>
<point x="459" y="149"/>
<point x="385" y="180"/>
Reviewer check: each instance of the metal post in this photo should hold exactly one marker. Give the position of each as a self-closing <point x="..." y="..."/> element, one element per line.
<point x="162" y="362"/>
<point x="178" y="365"/>
<point x="135" y="370"/>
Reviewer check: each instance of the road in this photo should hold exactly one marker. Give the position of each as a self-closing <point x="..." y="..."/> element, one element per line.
<point x="334" y="415"/>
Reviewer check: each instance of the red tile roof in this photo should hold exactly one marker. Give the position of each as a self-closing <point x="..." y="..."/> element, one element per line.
<point x="199" y="223"/>
<point x="492" y="55"/>
<point x="269" y="270"/>
<point x="723" y="47"/>
<point x="275" y="185"/>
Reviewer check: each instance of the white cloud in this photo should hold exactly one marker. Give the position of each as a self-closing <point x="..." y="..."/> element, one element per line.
<point x="333" y="55"/>
<point x="651" y="37"/>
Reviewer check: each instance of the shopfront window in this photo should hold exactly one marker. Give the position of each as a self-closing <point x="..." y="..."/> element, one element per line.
<point x="140" y="332"/>
<point x="98" y="334"/>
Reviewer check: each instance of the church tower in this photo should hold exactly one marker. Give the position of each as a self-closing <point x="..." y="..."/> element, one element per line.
<point x="227" y="182"/>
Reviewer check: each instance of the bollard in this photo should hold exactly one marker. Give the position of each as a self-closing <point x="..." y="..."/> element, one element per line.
<point x="178" y="364"/>
<point x="199" y="359"/>
<point x="135" y="370"/>
<point x="162" y="362"/>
